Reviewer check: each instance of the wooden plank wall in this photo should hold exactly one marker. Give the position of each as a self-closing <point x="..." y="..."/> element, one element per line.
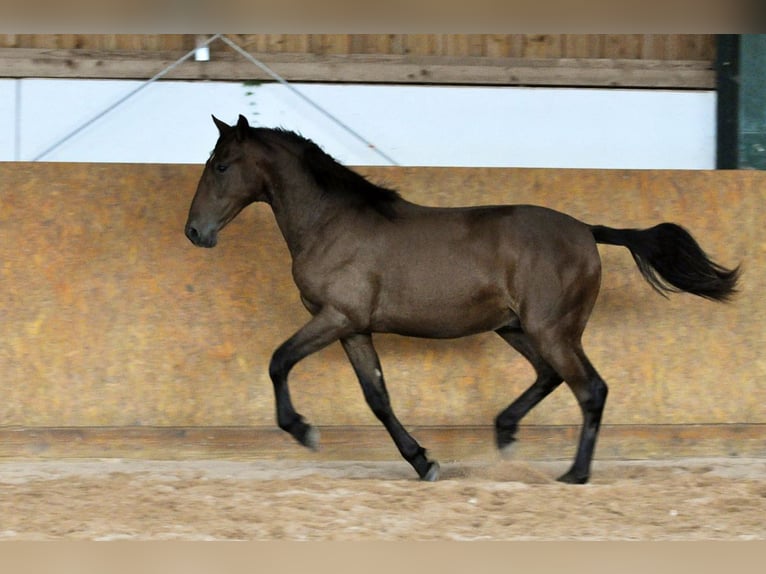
<point x="615" y="46"/>
<point x="117" y="333"/>
<point x="638" y="60"/>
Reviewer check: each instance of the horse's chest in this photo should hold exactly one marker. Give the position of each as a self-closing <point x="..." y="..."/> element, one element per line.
<point x="321" y="279"/>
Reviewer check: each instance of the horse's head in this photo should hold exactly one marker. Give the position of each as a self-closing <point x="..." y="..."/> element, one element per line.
<point x="232" y="180"/>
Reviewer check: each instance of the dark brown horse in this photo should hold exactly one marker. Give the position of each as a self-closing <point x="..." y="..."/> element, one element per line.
<point x="367" y="261"/>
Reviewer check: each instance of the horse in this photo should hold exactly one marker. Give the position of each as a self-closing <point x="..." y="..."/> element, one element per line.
<point x="365" y="260"/>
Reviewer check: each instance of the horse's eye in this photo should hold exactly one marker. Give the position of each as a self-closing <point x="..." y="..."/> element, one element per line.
<point x="221" y="167"/>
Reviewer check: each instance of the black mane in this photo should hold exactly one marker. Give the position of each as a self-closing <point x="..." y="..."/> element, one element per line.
<point x="334" y="178"/>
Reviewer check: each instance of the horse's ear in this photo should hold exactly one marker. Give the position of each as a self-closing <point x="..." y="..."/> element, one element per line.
<point x="222" y="126"/>
<point x="242" y="127"/>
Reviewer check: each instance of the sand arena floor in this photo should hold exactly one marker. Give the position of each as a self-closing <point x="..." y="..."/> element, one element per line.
<point x="115" y="499"/>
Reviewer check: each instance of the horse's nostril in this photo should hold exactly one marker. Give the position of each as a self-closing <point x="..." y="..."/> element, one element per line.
<point x="200" y="239"/>
<point x="192" y="234"/>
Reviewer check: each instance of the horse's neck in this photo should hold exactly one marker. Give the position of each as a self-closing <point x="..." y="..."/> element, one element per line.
<point x="301" y="209"/>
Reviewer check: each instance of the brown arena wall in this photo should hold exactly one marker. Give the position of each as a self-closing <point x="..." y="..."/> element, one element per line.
<point x="111" y="318"/>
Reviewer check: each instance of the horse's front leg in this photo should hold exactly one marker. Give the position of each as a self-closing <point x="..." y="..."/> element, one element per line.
<point x="366" y="364"/>
<point x="327" y="326"/>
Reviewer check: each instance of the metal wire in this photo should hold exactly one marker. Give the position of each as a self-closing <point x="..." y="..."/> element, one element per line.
<point x="188" y="55"/>
<point x="306" y="99"/>
<point x="123" y="99"/>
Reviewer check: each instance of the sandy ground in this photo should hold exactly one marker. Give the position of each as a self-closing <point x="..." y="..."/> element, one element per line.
<point x="114" y="499"/>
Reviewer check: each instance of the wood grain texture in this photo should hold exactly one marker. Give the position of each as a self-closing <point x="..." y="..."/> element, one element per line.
<point x="454" y="443"/>
<point x="363" y="68"/>
<point x="609" y="46"/>
<point x="628" y="60"/>
<point x="111" y="318"/>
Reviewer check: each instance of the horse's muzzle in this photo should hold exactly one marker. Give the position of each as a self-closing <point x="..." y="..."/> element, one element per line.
<point x="201" y="239"/>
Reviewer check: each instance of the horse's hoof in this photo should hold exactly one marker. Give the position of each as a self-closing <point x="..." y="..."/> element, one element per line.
<point x="508" y="450"/>
<point x="504" y="439"/>
<point x="571" y="478"/>
<point x="311" y="439"/>
<point x="432" y="475"/>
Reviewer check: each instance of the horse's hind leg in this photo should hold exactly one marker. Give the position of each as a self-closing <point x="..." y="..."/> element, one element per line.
<point x="506" y="423"/>
<point x="366" y="364"/>
<point x="591" y="391"/>
<point x="586" y="384"/>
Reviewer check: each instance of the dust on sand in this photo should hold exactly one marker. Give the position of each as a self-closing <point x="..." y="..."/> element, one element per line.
<point x="113" y="499"/>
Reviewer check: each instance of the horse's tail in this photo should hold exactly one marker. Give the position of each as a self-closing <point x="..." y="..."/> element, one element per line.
<point x="672" y="261"/>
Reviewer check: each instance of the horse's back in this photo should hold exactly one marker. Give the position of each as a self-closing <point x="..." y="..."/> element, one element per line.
<point x="448" y="272"/>
<point x="506" y="234"/>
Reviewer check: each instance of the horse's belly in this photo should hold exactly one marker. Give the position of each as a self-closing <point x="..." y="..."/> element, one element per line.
<point x="451" y="315"/>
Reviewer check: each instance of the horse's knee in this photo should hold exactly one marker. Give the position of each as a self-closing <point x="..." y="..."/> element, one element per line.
<point x="376" y="394"/>
<point x="585" y="382"/>
<point x="279" y="367"/>
<point x="598" y="390"/>
<point x="592" y="397"/>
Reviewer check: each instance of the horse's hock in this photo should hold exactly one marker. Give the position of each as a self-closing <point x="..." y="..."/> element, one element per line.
<point x="121" y="339"/>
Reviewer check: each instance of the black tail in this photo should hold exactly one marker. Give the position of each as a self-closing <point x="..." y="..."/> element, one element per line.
<point x="671" y="260"/>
